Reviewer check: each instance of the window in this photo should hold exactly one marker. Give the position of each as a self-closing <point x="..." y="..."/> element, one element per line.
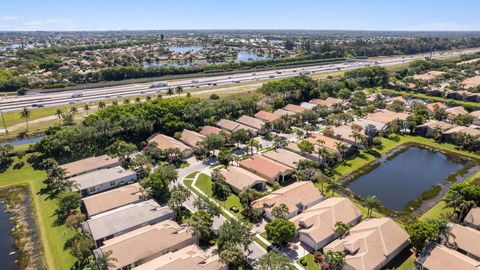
<point x="112" y="183"/>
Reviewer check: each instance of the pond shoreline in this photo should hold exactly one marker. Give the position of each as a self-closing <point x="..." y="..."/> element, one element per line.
<point x="25" y="233"/>
<point x="432" y="196"/>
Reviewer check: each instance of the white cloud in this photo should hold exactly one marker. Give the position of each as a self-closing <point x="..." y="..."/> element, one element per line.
<point x="9" y="18"/>
<point x="46" y="25"/>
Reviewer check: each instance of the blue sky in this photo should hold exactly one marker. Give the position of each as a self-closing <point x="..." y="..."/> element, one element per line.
<point x="246" y="14"/>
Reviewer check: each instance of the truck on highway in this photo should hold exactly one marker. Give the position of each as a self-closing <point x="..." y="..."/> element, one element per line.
<point x="159" y="84"/>
<point x="77" y="94"/>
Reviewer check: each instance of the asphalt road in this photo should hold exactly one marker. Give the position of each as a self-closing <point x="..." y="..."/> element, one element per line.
<point x="16" y="103"/>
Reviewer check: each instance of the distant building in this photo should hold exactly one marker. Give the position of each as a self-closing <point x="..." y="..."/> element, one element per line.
<point x="207" y="130"/>
<point x="165" y="142"/>
<point x="266" y="116"/>
<point x="294" y="108"/>
<point x="104" y="179"/>
<point x="90" y="164"/>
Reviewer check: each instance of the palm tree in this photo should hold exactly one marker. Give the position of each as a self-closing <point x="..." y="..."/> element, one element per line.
<point x="371" y="203"/>
<point x="25" y="114"/>
<point x="58" y="113"/>
<point x="137" y="100"/>
<point x="179" y="89"/>
<point x="101" y="105"/>
<point x="333" y="186"/>
<point x="126" y="101"/>
<point x="322" y="179"/>
<point x="73" y="110"/>
<point x="179" y="195"/>
<point x="104" y="261"/>
<point x="247" y="196"/>
<point x="149" y="98"/>
<point x="341" y="148"/>
<point x="86" y="108"/>
<point x="114" y="103"/>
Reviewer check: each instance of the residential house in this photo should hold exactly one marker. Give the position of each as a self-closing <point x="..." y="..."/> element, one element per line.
<point x="344" y="133"/>
<point x="386" y="116"/>
<point x="476" y="117"/>
<point x="165" y="142"/>
<point x="89" y="165"/>
<point x="187" y="258"/>
<point x="329" y="102"/>
<point x="308" y="105"/>
<point x="443" y="258"/>
<point x="472" y="219"/>
<point x="119" y="221"/>
<point x="458" y="95"/>
<point x="285" y="157"/>
<point x="434" y="105"/>
<point x="371" y="244"/>
<point x="251" y="122"/>
<point x="268" y="169"/>
<point x="104" y="179"/>
<point x="455" y="111"/>
<point x="316" y="225"/>
<point x="464" y="239"/>
<point x="191" y="138"/>
<point x="473" y="97"/>
<point x="475" y="133"/>
<point x="266" y="116"/>
<point x="115" y="198"/>
<point x="298" y="197"/>
<point x="328" y="142"/>
<point x="294" y="108"/>
<point x="230" y="126"/>
<point x="294" y="148"/>
<point x="282" y="112"/>
<point x="145" y="244"/>
<point x="238" y="179"/>
<point x="364" y="123"/>
<point x="207" y="130"/>
<point x="427" y="128"/>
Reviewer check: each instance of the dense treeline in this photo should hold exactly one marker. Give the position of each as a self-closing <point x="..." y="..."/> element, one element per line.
<point x="135" y="123"/>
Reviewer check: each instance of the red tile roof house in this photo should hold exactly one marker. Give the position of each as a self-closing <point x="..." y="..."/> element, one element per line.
<point x="298" y="197"/>
<point x="191" y="138"/>
<point x="329" y="102"/>
<point x="271" y="170"/>
<point x="316" y="225"/>
<point x="207" y="130"/>
<point x="266" y="116"/>
<point x="431" y="106"/>
<point x="282" y="112"/>
<point x="294" y="108"/>
<point x="165" y="142"/>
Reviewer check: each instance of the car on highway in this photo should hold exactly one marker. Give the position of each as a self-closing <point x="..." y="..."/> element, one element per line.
<point x="271" y="76"/>
<point x="194" y="81"/>
<point x="71" y="102"/>
<point x="236" y="81"/>
<point x="278" y="72"/>
<point x="142" y="92"/>
<point x="159" y="84"/>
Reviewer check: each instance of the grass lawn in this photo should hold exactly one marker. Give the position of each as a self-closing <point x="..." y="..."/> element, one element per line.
<point x="53" y="237"/>
<point x="204" y="183"/>
<point x="191" y="176"/>
<point x="311" y="264"/>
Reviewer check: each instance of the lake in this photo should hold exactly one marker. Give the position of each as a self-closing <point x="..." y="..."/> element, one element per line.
<point x="6" y="245"/>
<point x="406" y="176"/>
<point x="184" y="49"/>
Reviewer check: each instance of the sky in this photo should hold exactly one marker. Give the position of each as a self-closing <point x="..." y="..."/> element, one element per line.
<point x="76" y="15"/>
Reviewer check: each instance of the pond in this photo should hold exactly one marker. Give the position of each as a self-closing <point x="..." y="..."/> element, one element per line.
<point x="24" y="141"/>
<point x="8" y="254"/>
<point x="406" y="176"/>
<point x="184" y="49"/>
<point x="246" y="56"/>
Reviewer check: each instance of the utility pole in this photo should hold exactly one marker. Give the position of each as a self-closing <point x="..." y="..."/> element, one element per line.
<point x="3" y="120"/>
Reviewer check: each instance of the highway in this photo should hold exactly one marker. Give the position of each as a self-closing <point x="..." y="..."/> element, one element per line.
<point x="16" y="103"/>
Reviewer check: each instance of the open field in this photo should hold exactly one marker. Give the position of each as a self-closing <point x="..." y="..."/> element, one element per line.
<point x="53" y="236"/>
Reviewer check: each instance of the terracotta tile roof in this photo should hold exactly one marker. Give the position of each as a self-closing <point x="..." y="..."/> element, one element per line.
<point x="431" y="106"/>
<point x="251" y="121"/>
<point x="294" y="108"/>
<point x="165" y="142"/>
<point x="265" y="167"/>
<point x="112" y="199"/>
<point x="143" y="244"/>
<point x="240" y="178"/>
<point x="371" y="243"/>
<point x="303" y="192"/>
<point x="443" y="258"/>
<point x="191" y="138"/>
<point x="444" y="126"/>
<point x="230" y="125"/>
<point x="281" y="112"/>
<point x="90" y="164"/>
<point x="386" y="116"/>
<point x="266" y="116"/>
<point x="318" y="221"/>
<point x="188" y="258"/>
<point x="473" y="217"/>
<point x="285" y="157"/>
<point x="465" y="238"/>
<point x="466" y="130"/>
<point x="206" y="130"/>
<point x="329" y="102"/>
